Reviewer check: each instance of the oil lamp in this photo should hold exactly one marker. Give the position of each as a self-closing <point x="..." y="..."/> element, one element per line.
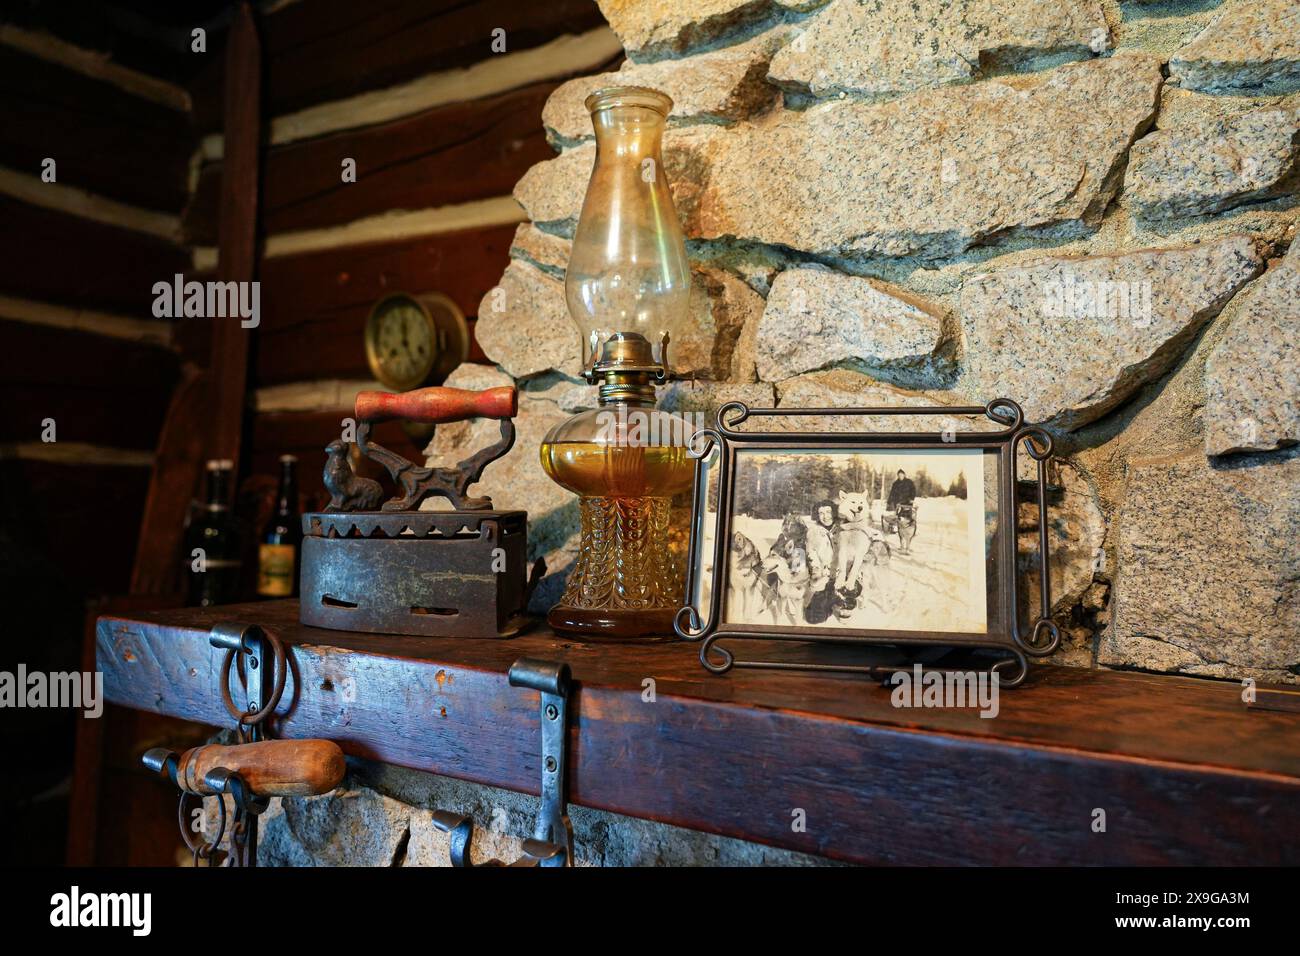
<point x="627" y="287"/>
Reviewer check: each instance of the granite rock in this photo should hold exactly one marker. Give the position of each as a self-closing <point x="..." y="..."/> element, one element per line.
<point x="1213" y="165"/>
<point x="352" y="826"/>
<point x="533" y="331"/>
<point x="816" y="318"/>
<point x="1076" y="533"/>
<point x="1251" y="45"/>
<point x="524" y="324"/>
<point x="892" y="46"/>
<point x="552" y="191"/>
<point x="1252" y="378"/>
<point x="712" y="342"/>
<point x="1208" y="572"/>
<point x="1072" y="338"/>
<point x="653" y="29"/>
<point x="848" y="388"/>
<point x="722" y="86"/>
<point x="900" y="178"/>
<point x="383" y="816"/>
<point x="703" y="399"/>
<point x="541" y="250"/>
<point x="1179" y="107"/>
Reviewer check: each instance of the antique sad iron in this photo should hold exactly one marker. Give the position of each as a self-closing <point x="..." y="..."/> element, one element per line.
<point x="395" y="569"/>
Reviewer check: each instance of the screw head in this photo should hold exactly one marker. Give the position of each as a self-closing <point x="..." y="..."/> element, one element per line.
<point x="252" y="662"/>
<point x="550" y="765"/>
<point x="552" y="712"/>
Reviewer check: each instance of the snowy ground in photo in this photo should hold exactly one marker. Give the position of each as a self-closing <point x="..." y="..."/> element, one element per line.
<point x="935" y="587"/>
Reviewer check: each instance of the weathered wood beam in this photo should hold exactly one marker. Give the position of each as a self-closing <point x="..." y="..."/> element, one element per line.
<point x="237" y="229"/>
<point x="173" y="483"/>
<point x="453" y="154"/>
<point x="1184" y="772"/>
<point x="141" y="150"/>
<point x="150" y="331"/>
<point x="314" y="306"/>
<point x="102" y="391"/>
<point x="43" y="253"/>
<point x="329" y="49"/>
<point x="90" y="63"/>
<point x="205" y="418"/>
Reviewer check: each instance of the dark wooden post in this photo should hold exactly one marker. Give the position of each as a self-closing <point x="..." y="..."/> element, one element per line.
<point x="237" y="231"/>
<point x="205" y="417"/>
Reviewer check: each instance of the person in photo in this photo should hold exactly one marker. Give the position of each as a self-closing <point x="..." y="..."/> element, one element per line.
<point x="822" y="534"/>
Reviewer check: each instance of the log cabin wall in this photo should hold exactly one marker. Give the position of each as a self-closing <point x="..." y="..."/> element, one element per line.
<point x="94" y="174"/>
<point x="439" y="105"/>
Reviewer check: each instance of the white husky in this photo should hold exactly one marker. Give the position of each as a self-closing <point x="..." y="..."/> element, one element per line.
<point x="859" y="546"/>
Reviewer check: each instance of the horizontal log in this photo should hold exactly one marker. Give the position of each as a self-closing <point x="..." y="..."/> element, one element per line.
<point x="84" y="517"/>
<point x="65" y="259"/>
<point x="314" y="306"/>
<point x="329" y="49"/>
<point x="102" y="139"/>
<point x="1185" y="773"/>
<point x="117" y="418"/>
<point x="47" y="355"/>
<point x="156" y="44"/>
<point x="452" y="154"/>
<point x="99" y="390"/>
<point x="148" y="331"/>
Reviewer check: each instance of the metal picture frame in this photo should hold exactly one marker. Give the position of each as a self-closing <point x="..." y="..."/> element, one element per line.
<point x="1011" y="646"/>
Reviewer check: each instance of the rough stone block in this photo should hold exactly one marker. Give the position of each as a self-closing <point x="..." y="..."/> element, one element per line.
<point x="1252" y="378"/>
<point x="1208" y="577"/>
<point x="1072" y="338"/>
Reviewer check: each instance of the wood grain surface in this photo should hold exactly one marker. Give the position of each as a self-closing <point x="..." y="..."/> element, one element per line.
<point x="1184" y="772"/>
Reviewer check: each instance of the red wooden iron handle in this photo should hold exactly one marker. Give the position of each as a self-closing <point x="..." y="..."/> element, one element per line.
<point x="438" y="405"/>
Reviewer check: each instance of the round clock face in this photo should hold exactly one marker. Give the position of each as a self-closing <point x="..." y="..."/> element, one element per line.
<point x="400" y="342"/>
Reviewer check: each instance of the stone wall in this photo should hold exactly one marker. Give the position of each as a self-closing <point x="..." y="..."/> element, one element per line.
<point x="383" y="816"/>
<point x="1084" y="206"/>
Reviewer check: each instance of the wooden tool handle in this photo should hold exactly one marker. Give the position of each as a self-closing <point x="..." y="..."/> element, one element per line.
<point x="271" y="768"/>
<point x="437" y="405"/>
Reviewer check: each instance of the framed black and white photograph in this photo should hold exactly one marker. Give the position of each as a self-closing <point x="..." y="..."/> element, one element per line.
<point x="866" y="539"/>
<point x="853" y="537"/>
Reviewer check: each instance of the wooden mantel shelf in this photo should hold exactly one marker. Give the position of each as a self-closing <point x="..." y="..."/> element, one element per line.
<point x="1184" y="772"/>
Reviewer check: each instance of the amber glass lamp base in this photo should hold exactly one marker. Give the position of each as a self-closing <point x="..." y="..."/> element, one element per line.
<point x="626" y="582"/>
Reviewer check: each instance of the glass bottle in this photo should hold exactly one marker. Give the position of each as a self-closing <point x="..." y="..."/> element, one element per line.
<point x="627" y="286"/>
<point x="212" y="543"/>
<point x="277" y="552"/>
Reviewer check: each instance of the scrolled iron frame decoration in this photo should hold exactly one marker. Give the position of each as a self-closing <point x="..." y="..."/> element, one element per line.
<point x="1042" y="638"/>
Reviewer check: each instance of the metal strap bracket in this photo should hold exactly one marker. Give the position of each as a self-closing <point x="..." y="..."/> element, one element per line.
<point x="552" y="841"/>
<point x="264" y="672"/>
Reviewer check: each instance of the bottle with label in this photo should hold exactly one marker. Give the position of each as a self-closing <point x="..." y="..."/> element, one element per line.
<point x="212" y="543"/>
<point x="277" y="553"/>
